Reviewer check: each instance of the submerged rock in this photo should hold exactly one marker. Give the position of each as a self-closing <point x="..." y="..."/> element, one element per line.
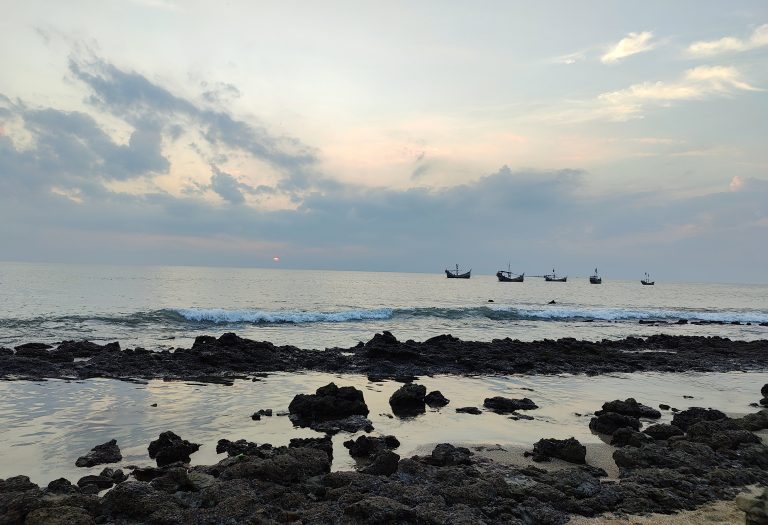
<point x="329" y="402"/>
<point x="170" y="448"/>
<point x="436" y="399"/>
<point x="505" y="405"/>
<point x="469" y="410"/>
<point x="365" y="446"/>
<point x="446" y="454"/>
<point x="107" y="452"/>
<point x="408" y="400"/>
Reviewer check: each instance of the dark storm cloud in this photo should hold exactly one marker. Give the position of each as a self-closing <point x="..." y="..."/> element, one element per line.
<point x="133" y="97"/>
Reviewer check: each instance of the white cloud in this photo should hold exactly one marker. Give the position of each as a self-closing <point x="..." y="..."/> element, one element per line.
<point x="697" y="83"/>
<point x="631" y="44"/>
<point x="730" y="44"/>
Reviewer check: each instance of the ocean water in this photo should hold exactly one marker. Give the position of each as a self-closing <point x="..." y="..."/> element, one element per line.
<point x="166" y="307"/>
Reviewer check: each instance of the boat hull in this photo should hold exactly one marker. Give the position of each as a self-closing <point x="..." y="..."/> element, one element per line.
<point x="647" y="283"/>
<point x="454" y="275"/>
<point x="555" y="279"/>
<point x="507" y="279"/>
<point x="596" y="280"/>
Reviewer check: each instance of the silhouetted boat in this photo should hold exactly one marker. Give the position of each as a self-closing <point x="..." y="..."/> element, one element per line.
<point x="507" y="276"/>
<point x="456" y="275"/>
<point x="595" y="279"/>
<point x="553" y="278"/>
<point x="647" y="281"/>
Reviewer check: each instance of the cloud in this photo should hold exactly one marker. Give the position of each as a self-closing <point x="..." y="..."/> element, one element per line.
<point x="730" y="44"/>
<point x="631" y="44"/>
<point x="698" y="83"/>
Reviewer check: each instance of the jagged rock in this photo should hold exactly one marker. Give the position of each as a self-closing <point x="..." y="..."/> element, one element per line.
<point x="627" y="437"/>
<point x="764" y="390"/>
<point x="147" y="473"/>
<point x="384" y="464"/>
<point x="566" y="449"/>
<point x="686" y="418"/>
<point x="365" y="446"/>
<point x="323" y="443"/>
<point x="756" y="421"/>
<point x="408" y="400"/>
<point x="85" y="348"/>
<point x="241" y="446"/>
<point x="329" y="402"/>
<point x="755" y="506"/>
<point x="99" y="481"/>
<point x="379" y="510"/>
<point x="505" y="405"/>
<point x="436" y="399"/>
<point x="170" y="448"/>
<point x="137" y="500"/>
<point x="350" y="424"/>
<point x="261" y="412"/>
<point x="610" y="422"/>
<point x="59" y="515"/>
<point x="469" y="410"/>
<point x="629" y="407"/>
<point x="107" y="452"/>
<point x="663" y="431"/>
<point x="116" y="475"/>
<point x="62" y="486"/>
<point x="721" y="434"/>
<point x="446" y="454"/>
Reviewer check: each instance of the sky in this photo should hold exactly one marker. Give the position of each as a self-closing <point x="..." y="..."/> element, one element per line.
<point x="389" y="136"/>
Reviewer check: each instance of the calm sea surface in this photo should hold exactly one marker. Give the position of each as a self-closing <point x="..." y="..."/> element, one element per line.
<point x="160" y="307"/>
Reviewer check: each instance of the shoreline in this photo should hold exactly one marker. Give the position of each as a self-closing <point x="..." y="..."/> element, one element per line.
<point x="383" y="356"/>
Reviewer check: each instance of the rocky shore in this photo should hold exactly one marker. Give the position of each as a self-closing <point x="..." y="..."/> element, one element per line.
<point x="700" y="457"/>
<point x="383" y="356"/>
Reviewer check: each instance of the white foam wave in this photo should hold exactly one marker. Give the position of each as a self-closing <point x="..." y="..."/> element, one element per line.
<point x="222" y="316"/>
<point x="634" y="314"/>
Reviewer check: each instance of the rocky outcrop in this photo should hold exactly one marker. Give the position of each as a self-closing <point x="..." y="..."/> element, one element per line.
<point x="569" y="450"/>
<point x="328" y="404"/>
<point x="365" y="446"/>
<point x="629" y="407"/>
<point x="610" y="422"/>
<point x="170" y="448"/>
<point x="408" y="400"/>
<point x="436" y="399"/>
<point x="469" y="410"/>
<point x="663" y="431"/>
<point x="107" y="452"/>
<point x="686" y="418"/>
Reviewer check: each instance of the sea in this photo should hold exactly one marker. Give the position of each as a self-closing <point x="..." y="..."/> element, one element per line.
<point x="163" y="307"/>
<point x="46" y="425"/>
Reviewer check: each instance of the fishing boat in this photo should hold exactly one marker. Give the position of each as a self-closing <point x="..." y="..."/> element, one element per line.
<point x="595" y="279"/>
<point x="508" y="277"/>
<point x="647" y="281"/>
<point x="456" y="275"/>
<point x="553" y="278"/>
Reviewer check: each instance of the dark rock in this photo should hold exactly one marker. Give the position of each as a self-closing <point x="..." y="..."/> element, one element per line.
<point x="99" y="481"/>
<point x="756" y="421"/>
<point x="408" y="396"/>
<point x="764" y="390"/>
<point x="686" y="418"/>
<point x="62" y="486"/>
<point x="116" y="475"/>
<point x="241" y="446"/>
<point x="566" y="449"/>
<point x="663" y="431"/>
<point x="138" y="501"/>
<point x="329" y="402"/>
<point x="469" y="410"/>
<point x="721" y="434"/>
<point x="446" y="454"/>
<point x="107" y="452"/>
<point x="147" y="473"/>
<point x="384" y="464"/>
<point x="610" y="422"/>
<point x="323" y="443"/>
<point x="764" y="401"/>
<point x="629" y="407"/>
<point x="31" y="347"/>
<point x="663" y="406"/>
<point x="85" y="349"/>
<point x="365" y="446"/>
<point x="627" y="437"/>
<point x="170" y="448"/>
<point x="505" y="405"/>
<point x="350" y="424"/>
<point x="436" y="399"/>
<point x="59" y="515"/>
<point x="378" y="510"/>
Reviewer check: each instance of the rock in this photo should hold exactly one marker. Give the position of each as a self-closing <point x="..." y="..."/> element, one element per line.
<point x="688" y="417"/>
<point x="566" y="449"/>
<point x="350" y="424"/>
<point x="446" y="454"/>
<point x="62" y="486"/>
<point x="721" y="434"/>
<point x="764" y="390"/>
<point x="241" y="446"/>
<point x="99" y="481"/>
<point x="610" y="422"/>
<point x="378" y="510"/>
<point x="436" y="399"/>
<point x="327" y="403"/>
<point x="664" y="406"/>
<point x="627" y="437"/>
<point x="408" y="400"/>
<point x="365" y="446"/>
<point x="86" y="348"/>
<point x="469" y="410"/>
<point x="137" y="500"/>
<point x="663" y="431"/>
<point x="764" y="401"/>
<point x="257" y="415"/>
<point x="505" y="405"/>
<point x="322" y="443"/>
<point x="170" y="448"/>
<point x="59" y="515"/>
<point x="384" y="464"/>
<point x="756" y="421"/>
<point x="199" y="480"/>
<point x="755" y="506"/>
<point x="147" y="473"/>
<point x="629" y="407"/>
<point x="107" y="452"/>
